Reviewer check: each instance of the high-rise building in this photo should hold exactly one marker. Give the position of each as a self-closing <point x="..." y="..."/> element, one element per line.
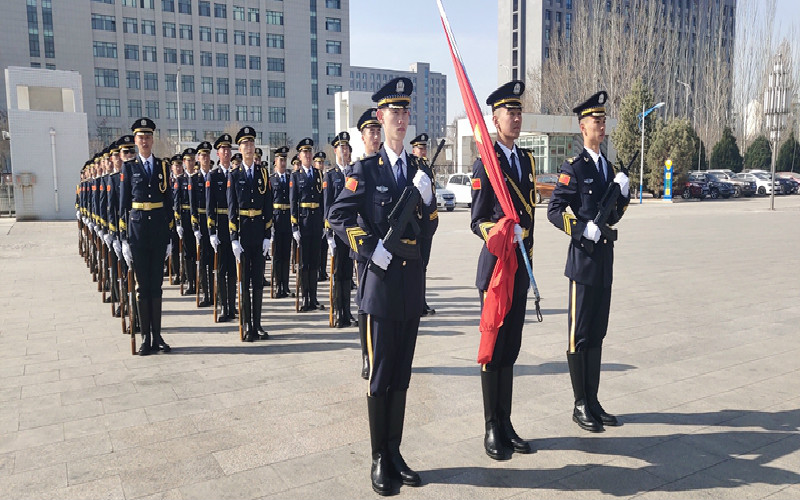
<point x="428" y="101"/>
<point x="271" y="64"/>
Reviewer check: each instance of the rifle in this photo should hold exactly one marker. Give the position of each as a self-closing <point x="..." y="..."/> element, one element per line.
<point x="101" y="282"/>
<point x="130" y="309"/>
<point x="122" y="295"/>
<point x="244" y="301"/>
<point x="181" y="262"/>
<point x="214" y="284"/>
<point x="197" y="279"/>
<point x="436" y="155"/>
<point x="331" y="294"/>
<point x="239" y="302"/>
<point x="272" y="273"/>
<point x="111" y="283"/>
<point x="401" y="216"/>
<point x="297" y="278"/>
<point x="608" y="203"/>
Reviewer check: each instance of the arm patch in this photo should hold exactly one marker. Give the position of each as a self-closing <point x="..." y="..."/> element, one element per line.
<point x="564" y="179"/>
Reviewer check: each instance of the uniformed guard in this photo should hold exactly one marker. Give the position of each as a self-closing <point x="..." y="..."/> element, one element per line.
<point x="282" y="224"/>
<point x="197" y="195"/>
<point x="183" y="217"/>
<point x="127" y="152"/>
<point x="258" y="155"/>
<point x="322" y="271"/>
<point x="103" y="236"/>
<point x="391" y="289"/>
<point x="518" y="167"/>
<point x="305" y="198"/>
<point x="582" y="182"/>
<point x="332" y="185"/>
<point x="112" y="217"/>
<point x="219" y="230"/>
<point x="419" y="148"/>
<point x="176" y="171"/>
<point x="146" y="212"/>
<point x="236" y="161"/>
<point x="250" y="221"/>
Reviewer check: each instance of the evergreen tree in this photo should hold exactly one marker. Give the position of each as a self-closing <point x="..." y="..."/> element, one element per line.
<point x="758" y="155"/>
<point x="674" y="141"/>
<point x="726" y="153"/>
<point x="788" y="155"/>
<point x="627" y="136"/>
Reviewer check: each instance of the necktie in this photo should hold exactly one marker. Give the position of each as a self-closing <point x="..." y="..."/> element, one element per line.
<point x="310" y="173"/>
<point x="602" y="169"/>
<point x="250" y="174"/>
<point x="147" y="168"/>
<point x="401" y="175"/>
<point x="514" y="166"/>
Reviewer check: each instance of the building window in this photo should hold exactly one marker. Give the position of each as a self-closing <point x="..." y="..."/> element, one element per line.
<point x="188" y="111"/>
<point x="130" y="25"/>
<point x="172" y="110"/>
<point x="240" y="61"/>
<point x="204" y="8"/>
<point x="104" y="49"/>
<point x="238" y="37"/>
<point x="106" y="77"/>
<point x="333" y="47"/>
<point x="255" y="87"/>
<point x="152" y="109"/>
<point x="274" y="40"/>
<point x="170" y="55"/>
<point x="150" y="81"/>
<point x="277" y="139"/>
<point x="149" y="53"/>
<point x="168" y="5"/>
<point x="129" y="3"/>
<point x="186" y="31"/>
<point x="222" y="86"/>
<point x="208" y="112"/>
<point x="238" y="13"/>
<point x="134" y="108"/>
<point x="277" y="114"/>
<point x="254" y="39"/>
<point x="187" y="83"/>
<point x="171" y="81"/>
<point x="331" y="114"/>
<point x="333" y="69"/>
<point x="241" y="86"/>
<point x="273" y="17"/>
<point x="277" y="89"/>
<point x="275" y="64"/>
<point x="148" y="27"/>
<point x="255" y="113"/>
<point x="221" y="35"/>
<point x="223" y="112"/>
<point x="187" y="57"/>
<point x="147" y="4"/>
<point x="133" y="80"/>
<point x="168" y="30"/>
<point x="107" y="107"/>
<point x="333" y="4"/>
<point x="220" y="10"/>
<point x="184" y="6"/>
<point x="255" y="62"/>
<point x="241" y="113"/>
<point x="205" y="33"/>
<point x="332" y="89"/>
<point x="131" y="52"/>
<point x="333" y="24"/>
<point x="104" y="23"/>
<point x="207" y="85"/>
<point x="222" y="60"/>
<point x="253" y="15"/>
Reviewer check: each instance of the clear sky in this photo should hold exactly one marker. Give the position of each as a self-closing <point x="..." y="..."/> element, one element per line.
<point x="394" y="34"/>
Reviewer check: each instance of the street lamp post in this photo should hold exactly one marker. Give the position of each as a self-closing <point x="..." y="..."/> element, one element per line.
<point x="775" y="111"/>
<point x="641" y="156"/>
<point x="178" y="89"/>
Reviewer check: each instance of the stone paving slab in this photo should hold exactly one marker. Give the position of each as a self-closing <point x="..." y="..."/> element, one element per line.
<point x="700" y="364"/>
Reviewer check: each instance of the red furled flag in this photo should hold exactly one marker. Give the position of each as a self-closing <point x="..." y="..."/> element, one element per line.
<point x="500" y="243"/>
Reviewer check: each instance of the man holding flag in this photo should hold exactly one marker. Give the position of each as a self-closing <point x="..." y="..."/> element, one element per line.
<point x="517" y="166"/>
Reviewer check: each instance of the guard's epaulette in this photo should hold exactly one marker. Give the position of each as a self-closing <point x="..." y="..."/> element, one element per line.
<point x="571" y="160"/>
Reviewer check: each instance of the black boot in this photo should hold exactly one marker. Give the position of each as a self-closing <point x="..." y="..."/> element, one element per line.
<point x="258" y="330"/>
<point x="581" y="414"/>
<point x="492" y="441"/>
<point x="505" y="391"/>
<point x="593" y="356"/>
<point x="144" y="323"/>
<point x="362" y="333"/>
<point x="303" y="275"/>
<point x="397" y="411"/>
<point x="158" y="341"/>
<point x="380" y="472"/>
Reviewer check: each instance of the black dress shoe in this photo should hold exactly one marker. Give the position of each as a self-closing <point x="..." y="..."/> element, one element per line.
<point x="145" y="350"/>
<point x="601" y="416"/>
<point x="584" y="418"/>
<point x="164" y="347"/>
<point x="190" y="291"/>
<point x="281" y="295"/>
<point x="342" y="323"/>
<point x="249" y="337"/>
<point x="262" y="334"/>
<point x="205" y="303"/>
<point x="117" y="312"/>
<point x="223" y="318"/>
<point x="107" y="300"/>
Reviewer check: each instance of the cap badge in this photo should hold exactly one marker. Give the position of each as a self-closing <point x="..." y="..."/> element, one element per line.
<point x="143" y="123"/>
<point x="516" y="89"/>
<point x="400" y="86"/>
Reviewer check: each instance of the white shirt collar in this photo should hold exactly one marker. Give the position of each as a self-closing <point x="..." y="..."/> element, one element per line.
<point x="149" y="158"/>
<point x="307" y="170"/>
<point x="593" y="154"/>
<point x="508" y="152"/>
<point x="394" y="156"/>
<point x="249" y="169"/>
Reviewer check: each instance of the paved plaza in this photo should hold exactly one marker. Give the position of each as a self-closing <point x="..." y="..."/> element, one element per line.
<point x="701" y="364"/>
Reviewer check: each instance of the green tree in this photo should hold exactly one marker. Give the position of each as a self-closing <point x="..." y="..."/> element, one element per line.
<point x="676" y="141"/>
<point x="788" y="155"/>
<point x="758" y="155"/>
<point x="627" y="135"/>
<point x="726" y="153"/>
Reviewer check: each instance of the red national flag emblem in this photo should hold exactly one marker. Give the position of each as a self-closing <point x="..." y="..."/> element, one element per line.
<point x="324" y="184"/>
<point x="564" y="179"/>
<point x="351" y="184"/>
<point x="476" y="184"/>
<point x="208" y="183"/>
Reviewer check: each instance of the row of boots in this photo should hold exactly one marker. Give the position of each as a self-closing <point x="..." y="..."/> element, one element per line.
<point x="149" y="310"/>
<point x="584" y="372"/>
<point x="500" y="440"/>
<point x="386" y="418"/>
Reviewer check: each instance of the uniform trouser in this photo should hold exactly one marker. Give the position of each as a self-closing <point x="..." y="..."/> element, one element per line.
<point x="342" y="276"/>
<point x="206" y="259"/>
<point x="147" y="266"/>
<point x="280" y="260"/>
<point x="253" y="281"/>
<point x="391" y="346"/>
<point x="588" y="315"/>
<point x="309" y="263"/>
<point x="226" y="276"/>
<point x="176" y="258"/>
<point x="509" y="337"/>
<point x="189" y="254"/>
<point x="323" y="254"/>
<point x="425" y="251"/>
<point x="112" y="262"/>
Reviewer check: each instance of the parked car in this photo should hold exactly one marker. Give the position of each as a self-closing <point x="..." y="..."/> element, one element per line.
<point x="545" y="184"/>
<point x="788" y="185"/>
<point x="795" y="176"/>
<point x="716" y="185"/>
<point x="762" y="180"/>
<point x="445" y="198"/>
<point x="461" y="186"/>
<point x="685" y="189"/>
<point x="741" y="187"/>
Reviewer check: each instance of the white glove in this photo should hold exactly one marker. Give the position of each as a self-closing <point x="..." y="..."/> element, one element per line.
<point x="198" y="235"/>
<point x="107" y="239"/>
<point x="296" y="235"/>
<point x="331" y="245"/>
<point x="591" y="231"/>
<point x="624" y="183"/>
<point x="117" y="248"/>
<point x="423" y="184"/>
<point x="126" y="253"/>
<point x="85" y="221"/>
<point x="214" y="241"/>
<point x="381" y="257"/>
<point x="237" y="250"/>
<point x="180" y="232"/>
<point x="266" y="246"/>
<point x="169" y="250"/>
<point x="78" y="214"/>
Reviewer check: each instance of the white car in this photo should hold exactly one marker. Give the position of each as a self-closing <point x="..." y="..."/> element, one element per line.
<point x="461" y="186"/>
<point x="445" y="198"/>
<point x="763" y="186"/>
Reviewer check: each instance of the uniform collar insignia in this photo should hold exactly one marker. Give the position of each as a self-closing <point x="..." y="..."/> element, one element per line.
<point x="381" y="189"/>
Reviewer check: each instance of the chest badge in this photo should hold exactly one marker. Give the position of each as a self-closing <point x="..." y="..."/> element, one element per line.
<point x="381" y="189"/>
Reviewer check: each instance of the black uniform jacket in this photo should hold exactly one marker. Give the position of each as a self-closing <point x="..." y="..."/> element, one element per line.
<point x="332" y="185"/>
<point x="359" y="216"/>
<point x="151" y="224"/>
<point x="217" y="203"/>
<point x="579" y="188"/>
<point x="486" y="209"/>
<point x="305" y="195"/>
<point x="249" y="206"/>
<point x="281" y="214"/>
